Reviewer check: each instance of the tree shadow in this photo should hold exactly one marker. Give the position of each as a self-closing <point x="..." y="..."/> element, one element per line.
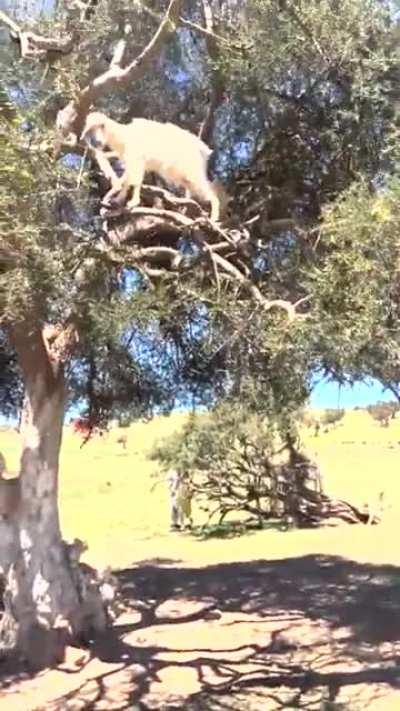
<point x="343" y="593"/>
<point x="235" y="529"/>
<point x="316" y="632"/>
<point x="329" y="623"/>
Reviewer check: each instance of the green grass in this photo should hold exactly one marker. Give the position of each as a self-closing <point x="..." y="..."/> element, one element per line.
<point x="110" y="497"/>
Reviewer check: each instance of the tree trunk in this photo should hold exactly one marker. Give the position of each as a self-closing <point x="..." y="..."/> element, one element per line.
<point x="42" y="594"/>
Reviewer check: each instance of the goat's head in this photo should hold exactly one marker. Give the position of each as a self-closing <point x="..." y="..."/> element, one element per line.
<point x="94" y="129"/>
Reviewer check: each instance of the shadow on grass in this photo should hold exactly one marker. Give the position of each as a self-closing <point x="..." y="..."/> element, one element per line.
<point x="235" y="529"/>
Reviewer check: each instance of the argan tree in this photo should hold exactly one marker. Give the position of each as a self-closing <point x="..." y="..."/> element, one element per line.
<point x="128" y="311"/>
<point x="383" y="412"/>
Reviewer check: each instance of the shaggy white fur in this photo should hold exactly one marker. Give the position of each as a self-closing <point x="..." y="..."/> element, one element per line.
<point x="175" y="154"/>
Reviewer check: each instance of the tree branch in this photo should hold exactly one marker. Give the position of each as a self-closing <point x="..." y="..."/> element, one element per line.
<point x="35" y="46"/>
<point x="217" y="79"/>
<point x="71" y="118"/>
<point x="305" y="29"/>
<point x="128" y="229"/>
<point x="169" y="216"/>
<point x="120" y="49"/>
<point x="60" y="341"/>
<point x="29" y="342"/>
<point x="86" y="8"/>
<point x="10" y="23"/>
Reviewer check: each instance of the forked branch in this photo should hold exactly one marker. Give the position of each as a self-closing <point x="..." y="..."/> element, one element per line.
<point x="71" y="118"/>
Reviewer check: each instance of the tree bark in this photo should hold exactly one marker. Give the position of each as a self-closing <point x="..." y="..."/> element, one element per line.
<point x="41" y="590"/>
<point x="71" y="118"/>
<point x="217" y="78"/>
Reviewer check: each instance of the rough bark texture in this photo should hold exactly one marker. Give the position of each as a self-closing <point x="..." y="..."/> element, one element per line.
<point x="42" y="594"/>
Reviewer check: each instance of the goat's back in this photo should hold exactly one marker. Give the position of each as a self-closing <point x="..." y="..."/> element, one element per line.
<point x="167" y="145"/>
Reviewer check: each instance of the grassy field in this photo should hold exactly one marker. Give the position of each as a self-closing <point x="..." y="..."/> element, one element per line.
<point x="114" y="500"/>
<point x="333" y="592"/>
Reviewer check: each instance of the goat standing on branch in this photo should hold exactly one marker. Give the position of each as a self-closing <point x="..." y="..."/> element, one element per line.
<point x="144" y="146"/>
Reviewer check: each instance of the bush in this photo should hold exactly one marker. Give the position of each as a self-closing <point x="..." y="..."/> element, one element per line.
<point x="331" y="416"/>
<point x="382" y="412"/>
<point x="241" y="462"/>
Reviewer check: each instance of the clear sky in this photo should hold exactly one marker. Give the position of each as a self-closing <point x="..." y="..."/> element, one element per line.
<point x="361" y="394"/>
<point x="333" y="396"/>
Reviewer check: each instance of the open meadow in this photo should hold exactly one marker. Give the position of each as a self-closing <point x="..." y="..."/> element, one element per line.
<point x="268" y="620"/>
<point x="116" y="500"/>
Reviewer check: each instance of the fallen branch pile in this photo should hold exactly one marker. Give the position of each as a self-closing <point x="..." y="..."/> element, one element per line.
<point x="291" y="492"/>
<point x="321" y="510"/>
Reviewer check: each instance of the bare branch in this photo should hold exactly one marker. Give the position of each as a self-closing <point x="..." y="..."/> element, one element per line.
<point x="217" y="79"/>
<point x="214" y="267"/>
<point x="168" y="215"/>
<point x="11" y="24"/>
<point x="60" y="341"/>
<point x="158" y="254"/>
<point x="164" y="222"/>
<point x="170" y="199"/>
<point x="86" y="8"/>
<point x="205" y="31"/>
<point x="70" y="120"/>
<point x="121" y="47"/>
<point x="35" y="46"/>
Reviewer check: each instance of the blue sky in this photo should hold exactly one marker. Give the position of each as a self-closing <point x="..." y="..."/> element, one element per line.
<point x="327" y="394"/>
<point x="331" y="395"/>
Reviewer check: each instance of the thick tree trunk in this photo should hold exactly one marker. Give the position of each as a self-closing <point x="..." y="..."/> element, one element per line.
<point x="41" y="591"/>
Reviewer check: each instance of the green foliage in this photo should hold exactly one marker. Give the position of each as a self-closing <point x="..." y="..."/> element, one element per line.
<point x="318" y="80"/>
<point x="10" y="381"/>
<point x="240" y="462"/>
<point x="38" y="250"/>
<point x="307" y="133"/>
<point x="354" y="322"/>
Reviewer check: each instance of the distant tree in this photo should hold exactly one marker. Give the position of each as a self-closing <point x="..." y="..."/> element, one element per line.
<point x="241" y="462"/>
<point x="383" y="412"/>
<point x="138" y="310"/>
<point x="332" y="416"/>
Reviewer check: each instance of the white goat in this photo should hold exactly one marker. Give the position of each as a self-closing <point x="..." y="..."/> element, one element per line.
<point x="144" y="146"/>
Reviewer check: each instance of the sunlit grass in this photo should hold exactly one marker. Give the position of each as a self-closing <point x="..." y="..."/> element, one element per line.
<point x="113" y="499"/>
